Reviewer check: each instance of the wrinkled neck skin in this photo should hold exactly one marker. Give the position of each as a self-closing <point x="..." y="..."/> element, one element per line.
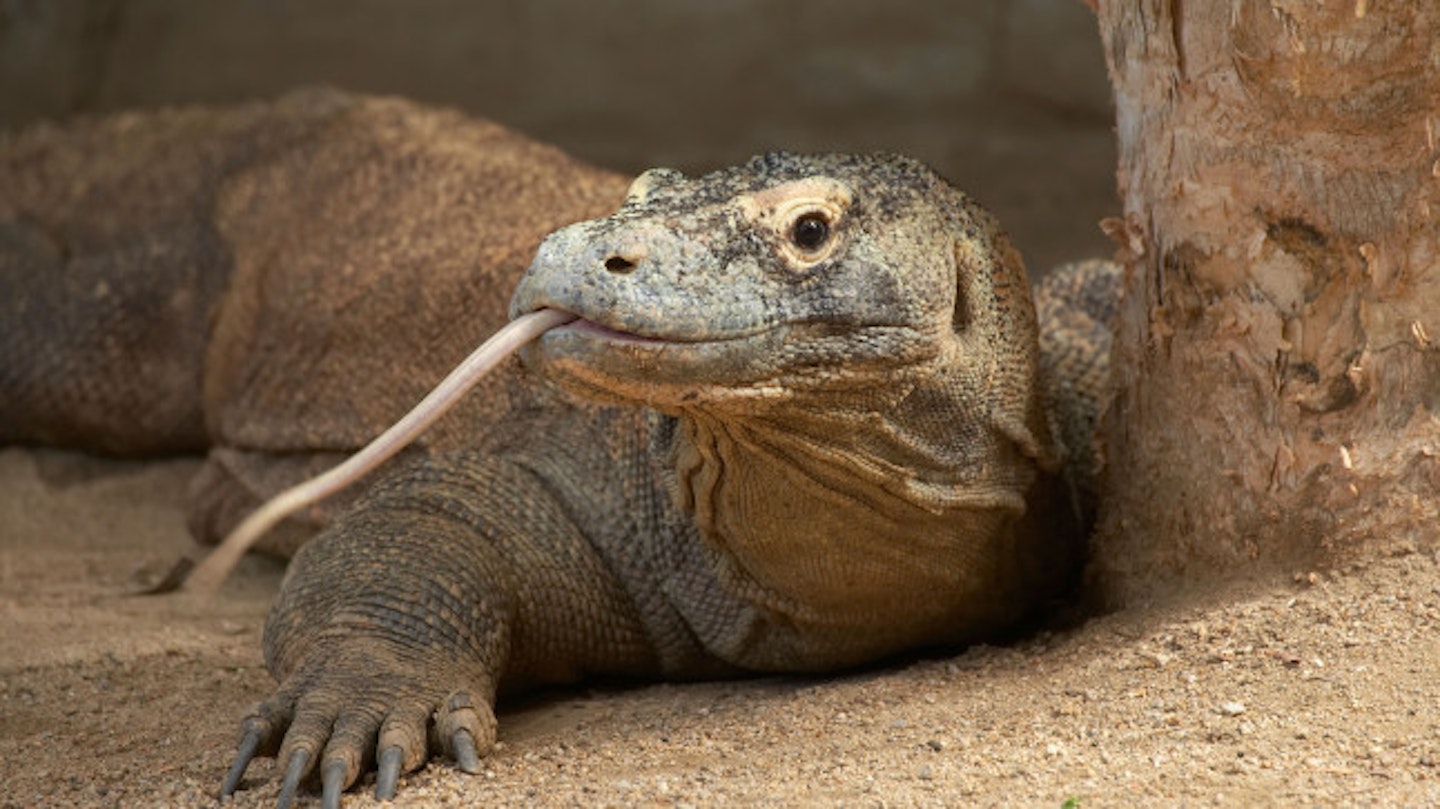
<point x="848" y="345"/>
<point x="861" y="522"/>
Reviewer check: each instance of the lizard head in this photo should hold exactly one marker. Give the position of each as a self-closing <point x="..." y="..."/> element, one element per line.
<point x="786" y="278"/>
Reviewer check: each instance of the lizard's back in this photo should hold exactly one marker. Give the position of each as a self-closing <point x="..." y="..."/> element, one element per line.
<point x="273" y="282"/>
<point x="283" y="277"/>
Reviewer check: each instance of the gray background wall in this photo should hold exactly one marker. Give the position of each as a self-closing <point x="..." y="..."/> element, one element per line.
<point x="1007" y="98"/>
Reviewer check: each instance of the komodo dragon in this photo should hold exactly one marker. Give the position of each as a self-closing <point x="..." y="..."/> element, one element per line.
<point x="802" y="422"/>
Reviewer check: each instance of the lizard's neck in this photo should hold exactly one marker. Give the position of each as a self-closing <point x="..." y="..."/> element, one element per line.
<point x="834" y="514"/>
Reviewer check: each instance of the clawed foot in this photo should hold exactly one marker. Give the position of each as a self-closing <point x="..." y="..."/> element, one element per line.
<point x="312" y="730"/>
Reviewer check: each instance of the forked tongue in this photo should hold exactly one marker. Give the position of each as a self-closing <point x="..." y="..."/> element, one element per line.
<point x="207" y="576"/>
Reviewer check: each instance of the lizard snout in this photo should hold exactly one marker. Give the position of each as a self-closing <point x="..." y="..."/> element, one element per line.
<point x="626" y="252"/>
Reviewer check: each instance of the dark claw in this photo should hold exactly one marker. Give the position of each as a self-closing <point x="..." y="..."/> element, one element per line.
<point x="248" y="745"/>
<point x="291" y="785"/>
<point x="387" y="774"/>
<point x="465" y="754"/>
<point x="333" y="783"/>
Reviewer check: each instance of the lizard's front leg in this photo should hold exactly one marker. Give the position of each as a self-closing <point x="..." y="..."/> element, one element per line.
<point x="396" y="627"/>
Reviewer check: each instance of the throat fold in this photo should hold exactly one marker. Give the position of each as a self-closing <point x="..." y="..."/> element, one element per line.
<point x="841" y="517"/>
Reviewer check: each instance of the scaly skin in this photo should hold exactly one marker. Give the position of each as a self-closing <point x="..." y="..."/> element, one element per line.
<point x="761" y="448"/>
<point x="761" y="456"/>
<point x="273" y="282"/>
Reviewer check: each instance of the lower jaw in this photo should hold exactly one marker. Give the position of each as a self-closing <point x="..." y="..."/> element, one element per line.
<point x="644" y="384"/>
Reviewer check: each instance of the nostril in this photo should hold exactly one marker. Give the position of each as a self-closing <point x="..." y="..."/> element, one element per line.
<point x="619" y="264"/>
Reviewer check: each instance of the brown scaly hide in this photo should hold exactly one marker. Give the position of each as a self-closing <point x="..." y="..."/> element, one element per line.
<point x="1278" y="378"/>
<point x="276" y="282"/>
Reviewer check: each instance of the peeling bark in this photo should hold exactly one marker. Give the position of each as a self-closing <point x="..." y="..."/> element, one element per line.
<point x="1278" y="352"/>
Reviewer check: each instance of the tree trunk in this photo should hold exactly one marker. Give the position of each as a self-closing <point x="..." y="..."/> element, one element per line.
<point x="1278" y="349"/>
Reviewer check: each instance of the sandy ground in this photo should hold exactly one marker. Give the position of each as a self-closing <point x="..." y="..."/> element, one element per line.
<point x="1284" y="692"/>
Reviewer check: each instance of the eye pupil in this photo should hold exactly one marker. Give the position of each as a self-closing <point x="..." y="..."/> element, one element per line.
<point x="810" y="232"/>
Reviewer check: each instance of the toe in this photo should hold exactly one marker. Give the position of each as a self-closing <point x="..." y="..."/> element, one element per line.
<point x="465" y="729"/>
<point x="388" y="773"/>
<point x="405" y="729"/>
<point x="260" y="735"/>
<point x="333" y="780"/>
<point x="401" y="745"/>
<point x="350" y="747"/>
<point x="298" y="768"/>
<point x="249" y="743"/>
<point x="462" y="744"/>
<point x="308" y="733"/>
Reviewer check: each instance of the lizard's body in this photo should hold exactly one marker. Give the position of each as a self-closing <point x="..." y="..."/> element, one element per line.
<point x="766" y="445"/>
<point x="274" y="283"/>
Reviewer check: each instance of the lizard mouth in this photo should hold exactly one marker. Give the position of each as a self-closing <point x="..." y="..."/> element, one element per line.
<point x="633" y="364"/>
<point x="588" y="329"/>
<point x="627" y="363"/>
<point x="598" y="331"/>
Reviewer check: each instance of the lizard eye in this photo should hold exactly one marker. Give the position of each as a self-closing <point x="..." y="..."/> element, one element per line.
<point x="810" y="231"/>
